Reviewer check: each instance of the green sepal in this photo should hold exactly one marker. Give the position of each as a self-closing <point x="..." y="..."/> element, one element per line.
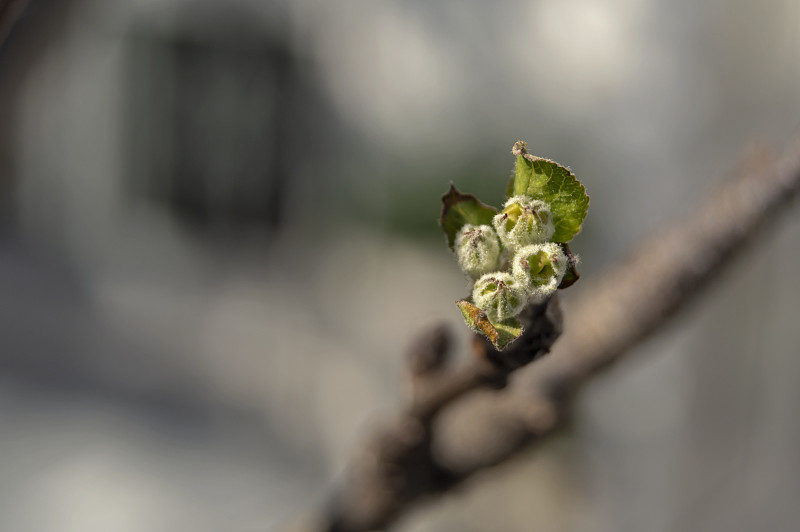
<point x="547" y="180"/>
<point x="500" y="334"/>
<point x="571" y="276"/>
<point x="460" y="209"/>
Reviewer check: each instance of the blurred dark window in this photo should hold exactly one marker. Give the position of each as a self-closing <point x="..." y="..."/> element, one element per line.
<point x="209" y="123"/>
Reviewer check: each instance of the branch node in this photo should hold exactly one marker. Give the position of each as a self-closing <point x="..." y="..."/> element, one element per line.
<point x="429" y="352"/>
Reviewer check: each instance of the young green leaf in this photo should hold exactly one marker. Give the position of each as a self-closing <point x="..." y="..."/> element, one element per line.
<point x="548" y="181"/>
<point x="500" y="333"/>
<point x="460" y="209"/>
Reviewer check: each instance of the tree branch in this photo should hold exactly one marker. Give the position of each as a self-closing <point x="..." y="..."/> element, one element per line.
<point x="399" y="465"/>
<point x="414" y="458"/>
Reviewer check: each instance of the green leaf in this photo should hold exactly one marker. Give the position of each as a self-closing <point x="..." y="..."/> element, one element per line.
<point x="571" y="276"/>
<point x="547" y="180"/>
<point x="500" y="334"/>
<point x="460" y="209"/>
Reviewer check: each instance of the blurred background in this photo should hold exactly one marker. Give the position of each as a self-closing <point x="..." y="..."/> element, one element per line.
<point x="218" y="234"/>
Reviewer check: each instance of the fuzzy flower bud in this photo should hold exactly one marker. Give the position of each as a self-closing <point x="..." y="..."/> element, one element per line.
<point x="524" y="221"/>
<point x="478" y="249"/>
<point x="539" y="269"/>
<point x="500" y="295"/>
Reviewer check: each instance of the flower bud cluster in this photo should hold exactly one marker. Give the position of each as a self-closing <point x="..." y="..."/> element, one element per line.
<point x="513" y="262"/>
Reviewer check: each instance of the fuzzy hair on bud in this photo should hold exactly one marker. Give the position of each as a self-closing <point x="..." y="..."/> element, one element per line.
<point x="524" y="221"/>
<point x="539" y="269"/>
<point x="500" y="295"/>
<point x="478" y="250"/>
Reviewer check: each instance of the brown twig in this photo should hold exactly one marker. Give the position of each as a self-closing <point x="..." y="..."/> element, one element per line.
<point x="399" y="465"/>
<point x="414" y="457"/>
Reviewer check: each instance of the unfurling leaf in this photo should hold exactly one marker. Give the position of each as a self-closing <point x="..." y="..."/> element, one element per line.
<point x="499" y="333"/>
